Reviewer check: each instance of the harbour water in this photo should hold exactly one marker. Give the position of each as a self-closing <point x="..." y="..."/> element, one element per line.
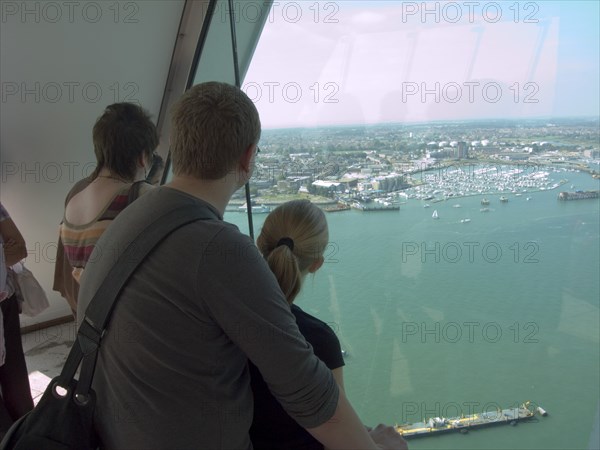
<point x="447" y="317"/>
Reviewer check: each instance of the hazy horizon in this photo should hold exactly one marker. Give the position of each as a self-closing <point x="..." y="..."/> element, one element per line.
<point x="367" y="63"/>
<point x="442" y="121"/>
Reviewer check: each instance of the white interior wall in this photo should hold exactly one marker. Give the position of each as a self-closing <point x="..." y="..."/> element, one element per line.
<point x="61" y="63"/>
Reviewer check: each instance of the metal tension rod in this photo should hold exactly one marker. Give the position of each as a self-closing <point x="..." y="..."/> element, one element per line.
<point x="236" y="69"/>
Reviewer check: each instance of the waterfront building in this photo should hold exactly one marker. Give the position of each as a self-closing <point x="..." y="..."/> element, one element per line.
<point x="462" y="151"/>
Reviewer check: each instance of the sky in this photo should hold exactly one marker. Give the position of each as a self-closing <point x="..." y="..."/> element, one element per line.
<point x="351" y="62"/>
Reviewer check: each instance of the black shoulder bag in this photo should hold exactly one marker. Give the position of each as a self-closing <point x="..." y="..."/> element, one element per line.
<point x="63" y="418"/>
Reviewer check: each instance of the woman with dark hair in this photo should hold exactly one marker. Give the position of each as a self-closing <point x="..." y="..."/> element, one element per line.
<point x="124" y="142"/>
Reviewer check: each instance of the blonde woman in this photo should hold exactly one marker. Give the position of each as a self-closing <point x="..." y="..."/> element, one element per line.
<point x="293" y="240"/>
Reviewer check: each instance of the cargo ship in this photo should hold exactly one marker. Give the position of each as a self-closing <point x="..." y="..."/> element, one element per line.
<point x="441" y="425"/>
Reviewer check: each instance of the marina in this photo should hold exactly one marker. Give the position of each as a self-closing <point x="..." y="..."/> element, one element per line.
<point x="440" y="185"/>
<point x="452" y="183"/>
<point x="494" y="184"/>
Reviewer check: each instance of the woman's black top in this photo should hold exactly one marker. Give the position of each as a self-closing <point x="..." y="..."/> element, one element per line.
<point x="272" y="428"/>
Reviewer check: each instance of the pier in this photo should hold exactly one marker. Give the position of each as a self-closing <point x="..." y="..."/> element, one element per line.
<point x="578" y="195"/>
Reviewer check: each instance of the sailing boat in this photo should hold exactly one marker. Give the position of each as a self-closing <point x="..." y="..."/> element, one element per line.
<point x="435" y="215"/>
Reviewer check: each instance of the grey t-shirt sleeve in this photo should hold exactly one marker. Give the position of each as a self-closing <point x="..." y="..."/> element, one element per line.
<point x="252" y="311"/>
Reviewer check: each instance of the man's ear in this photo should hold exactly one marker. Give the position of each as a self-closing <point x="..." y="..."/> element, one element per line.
<point x="316" y="265"/>
<point x="247" y="158"/>
<point x="141" y="160"/>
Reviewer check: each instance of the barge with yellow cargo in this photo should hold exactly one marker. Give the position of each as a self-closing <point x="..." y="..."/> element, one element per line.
<point x="440" y="425"/>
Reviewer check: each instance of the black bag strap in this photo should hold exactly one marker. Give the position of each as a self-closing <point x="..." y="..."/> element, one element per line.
<point x="98" y="313"/>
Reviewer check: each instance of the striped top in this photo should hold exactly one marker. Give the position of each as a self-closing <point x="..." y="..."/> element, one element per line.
<point x="79" y="240"/>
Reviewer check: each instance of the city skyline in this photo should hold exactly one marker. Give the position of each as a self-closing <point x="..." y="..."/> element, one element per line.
<point x="488" y="120"/>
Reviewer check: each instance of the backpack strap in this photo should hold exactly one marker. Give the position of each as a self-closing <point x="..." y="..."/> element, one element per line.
<point x="97" y="315"/>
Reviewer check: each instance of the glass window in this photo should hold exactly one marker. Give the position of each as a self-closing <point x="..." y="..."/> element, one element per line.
<point x="458" y="282"/>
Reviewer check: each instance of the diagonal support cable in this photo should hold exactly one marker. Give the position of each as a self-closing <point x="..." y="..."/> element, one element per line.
<point x="236" y="69"/>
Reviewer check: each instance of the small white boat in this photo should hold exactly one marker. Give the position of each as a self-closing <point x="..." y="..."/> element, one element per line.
<point x="435" y="215"/>
<point x="465" y="220"/>
<point x="426" y="205"/>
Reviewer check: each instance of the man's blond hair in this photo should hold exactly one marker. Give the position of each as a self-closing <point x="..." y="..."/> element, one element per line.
<point x="213" y="124"/>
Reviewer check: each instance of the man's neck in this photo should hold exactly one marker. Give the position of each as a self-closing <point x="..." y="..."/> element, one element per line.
<point x="216" y="192"/>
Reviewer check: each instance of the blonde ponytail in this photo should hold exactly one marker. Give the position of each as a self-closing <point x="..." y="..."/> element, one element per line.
<point x="293" y="237"/>
<point x="284" y="265"/>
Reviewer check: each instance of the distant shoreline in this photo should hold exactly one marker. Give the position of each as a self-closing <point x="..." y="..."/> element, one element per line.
<point x="274" y="201"/>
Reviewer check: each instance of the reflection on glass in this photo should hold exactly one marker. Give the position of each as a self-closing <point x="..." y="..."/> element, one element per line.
<point x="386" y="112"/>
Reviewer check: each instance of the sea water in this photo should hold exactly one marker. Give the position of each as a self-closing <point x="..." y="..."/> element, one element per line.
<point x="446" y="317"/>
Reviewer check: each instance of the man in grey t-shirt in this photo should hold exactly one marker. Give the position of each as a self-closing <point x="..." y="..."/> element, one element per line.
<point x="172" y="369"/>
